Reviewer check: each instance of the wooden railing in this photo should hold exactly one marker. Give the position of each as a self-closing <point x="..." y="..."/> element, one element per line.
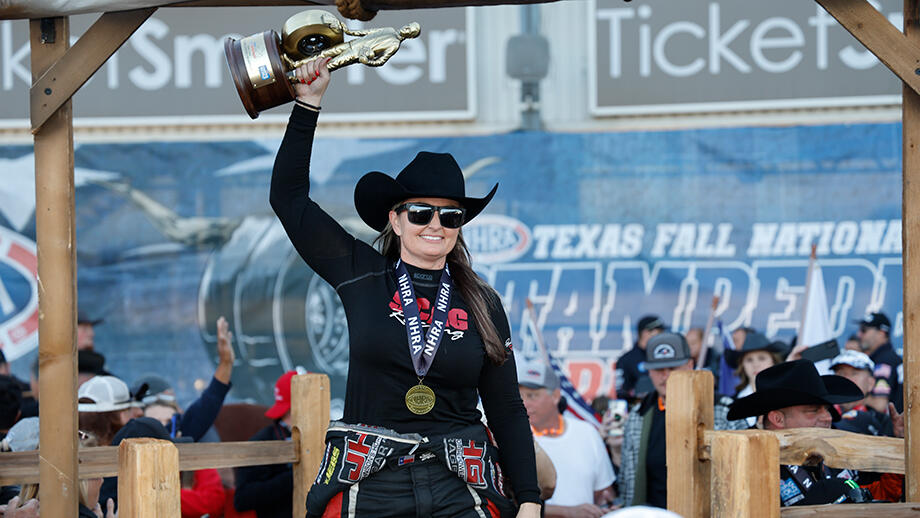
<point x="736" y="473"/>
<point x="148" y="469"/>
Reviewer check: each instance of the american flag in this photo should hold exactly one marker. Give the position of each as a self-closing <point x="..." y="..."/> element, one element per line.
<point x="576" y="405"/>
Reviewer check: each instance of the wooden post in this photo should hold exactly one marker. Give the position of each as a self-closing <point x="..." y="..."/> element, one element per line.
<point x="309" y="421"/>
<point x="910" y="205"/>
<point x="148" y="479"/>
<point x="745" y="474"/>
<point x="57" y="288"/>
<point x="689" y="415"/>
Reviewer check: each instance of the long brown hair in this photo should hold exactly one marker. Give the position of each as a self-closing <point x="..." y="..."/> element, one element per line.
<point x="743" y="379"/>
<point x="104" y="425"/>
<point x="477" y="294"/>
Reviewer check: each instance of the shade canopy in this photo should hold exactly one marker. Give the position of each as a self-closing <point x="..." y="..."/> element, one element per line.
<point x="22" y="9"/>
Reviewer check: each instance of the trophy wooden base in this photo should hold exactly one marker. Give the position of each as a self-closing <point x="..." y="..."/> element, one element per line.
<point x="258" y="72"/>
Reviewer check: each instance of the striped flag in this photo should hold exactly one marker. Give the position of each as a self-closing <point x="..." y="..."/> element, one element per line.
<point x="576" y="405"/>
<point x="727" y="379"/>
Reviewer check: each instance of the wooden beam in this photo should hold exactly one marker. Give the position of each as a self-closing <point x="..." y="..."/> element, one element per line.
<point x="840" y="449"/>
<point x="745" y="474"/>
<point x="910" y="257"/>
<point x="391" y="5"/>
<point x="309" y="421"/>
<point x="57" y="286"/>
<point x="248" y="3"/>
<point x="690" y="413"/>
<point x="59" y="82"/>
<point x="148" y="479"/>
<point x="901" y="510"/>
<point x="102" y="461"/>
<point x="373" y="5"/>
<point x="837" y="448"/>
<point x="899" y="53"/>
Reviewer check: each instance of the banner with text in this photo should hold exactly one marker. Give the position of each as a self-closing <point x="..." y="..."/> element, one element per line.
<point x="703" y="55"/>
<point x="173" y="70"/>
<point x="595" y="229"/>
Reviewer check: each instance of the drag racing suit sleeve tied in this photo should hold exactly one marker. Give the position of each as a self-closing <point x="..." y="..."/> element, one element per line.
<point x="317" y="236"/>
<point x="507" y="417"/>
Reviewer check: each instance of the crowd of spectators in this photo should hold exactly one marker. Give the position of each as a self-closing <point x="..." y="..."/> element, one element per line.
<point x="584" y="471"/>
<point x="759" y="383"/>
<point x="110" y="411"/>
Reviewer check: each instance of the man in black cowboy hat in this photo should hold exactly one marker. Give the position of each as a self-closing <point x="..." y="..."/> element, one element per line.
<point x="793" y="395"/>
<point x="631" y="374"/>
<point x="875" y="340"/>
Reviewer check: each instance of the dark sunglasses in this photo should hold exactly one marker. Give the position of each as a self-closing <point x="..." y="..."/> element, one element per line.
<point x="421" y="214"/>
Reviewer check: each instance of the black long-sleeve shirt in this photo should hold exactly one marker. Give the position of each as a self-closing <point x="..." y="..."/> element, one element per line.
<point x="380" y="368"/>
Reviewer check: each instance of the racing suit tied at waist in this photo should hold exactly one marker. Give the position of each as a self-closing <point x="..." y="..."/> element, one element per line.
<point x="355" y="452"/>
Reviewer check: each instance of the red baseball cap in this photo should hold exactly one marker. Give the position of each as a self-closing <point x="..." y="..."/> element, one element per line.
<point x="282" y="396"/>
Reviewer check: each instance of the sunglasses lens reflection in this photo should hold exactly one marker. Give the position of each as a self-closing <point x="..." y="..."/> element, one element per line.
<point x="451" y="218"/>
<point x="421" y="214"/>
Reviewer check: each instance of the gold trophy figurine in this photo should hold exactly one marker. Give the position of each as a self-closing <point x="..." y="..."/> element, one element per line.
<point x="262" y="65"/>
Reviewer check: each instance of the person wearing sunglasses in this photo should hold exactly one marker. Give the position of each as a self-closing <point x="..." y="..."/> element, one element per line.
<point x="427" y="339"/>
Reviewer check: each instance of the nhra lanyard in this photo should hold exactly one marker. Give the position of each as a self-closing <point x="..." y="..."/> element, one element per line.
<point x="800" y="478"/>
<point x="423" y="346"/>
<point x="805" y="482"/>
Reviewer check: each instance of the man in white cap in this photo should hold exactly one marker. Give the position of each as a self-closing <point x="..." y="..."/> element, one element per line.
<point x="855" y="416"/>
<point x="875" y="340"/>
<point x="584" y="474"/>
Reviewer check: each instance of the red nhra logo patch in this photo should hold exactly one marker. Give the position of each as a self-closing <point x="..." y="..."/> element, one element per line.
<point x="18" y="294"/>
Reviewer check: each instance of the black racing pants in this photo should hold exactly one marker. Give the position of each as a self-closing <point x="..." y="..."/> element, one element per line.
<point x="418" y="490"/>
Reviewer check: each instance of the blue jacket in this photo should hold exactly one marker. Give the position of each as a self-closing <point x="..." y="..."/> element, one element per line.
<point x="200" y="415"/>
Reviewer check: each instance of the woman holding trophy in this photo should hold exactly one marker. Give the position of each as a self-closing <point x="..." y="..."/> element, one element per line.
<point x="428" y="340"/>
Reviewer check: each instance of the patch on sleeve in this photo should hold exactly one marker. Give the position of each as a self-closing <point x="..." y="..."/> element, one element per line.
<point x="789" y="492"/>
<point x="882" y="370"/>
<point x="508" y="345"/>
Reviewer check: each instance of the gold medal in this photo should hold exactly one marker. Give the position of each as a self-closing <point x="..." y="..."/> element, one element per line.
<point x="420" y="399"/>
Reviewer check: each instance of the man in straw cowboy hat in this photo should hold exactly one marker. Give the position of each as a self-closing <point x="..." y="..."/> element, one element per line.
<point x="794" y="395"/>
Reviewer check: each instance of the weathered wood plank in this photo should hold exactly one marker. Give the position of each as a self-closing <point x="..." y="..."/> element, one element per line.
<point x="901" y="510"/>
<point x="148" y="479"/>
<point x="690" y="413"/>
<point x="838" y="449"/>
<point x="309" y="421"/>
<point x="60" y="81"/>
<point x="17" y="468"/>
<point x="899" y="53"/>
<point x="745" y="474"/>
<point x="57" y="289"/>
<point x="910" y="234"/>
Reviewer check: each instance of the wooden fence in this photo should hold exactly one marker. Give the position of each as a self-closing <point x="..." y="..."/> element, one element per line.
<point x="735" y="474"/>
<point x="148" y="469"/>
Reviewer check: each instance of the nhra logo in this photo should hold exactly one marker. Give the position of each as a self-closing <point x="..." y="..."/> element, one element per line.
<point x="496" y="239"/>
<point x="18" y="294"/>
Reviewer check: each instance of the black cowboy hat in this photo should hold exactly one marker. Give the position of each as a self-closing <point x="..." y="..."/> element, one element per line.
<point x="753" y="341"/>
<point x="428" y="175"/>
<point x="794" y="383"/>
